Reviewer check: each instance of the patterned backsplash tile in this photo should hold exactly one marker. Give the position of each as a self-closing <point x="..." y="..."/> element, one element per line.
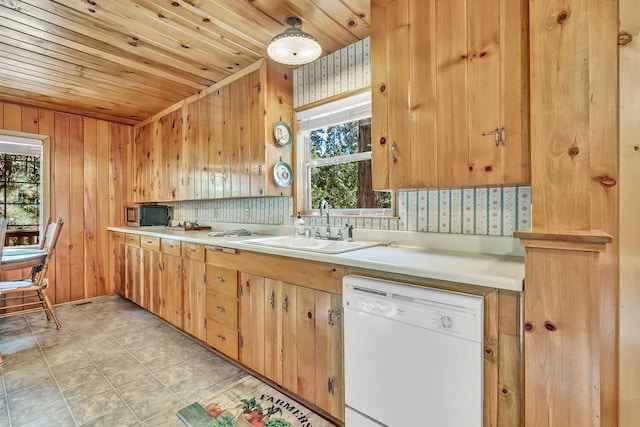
<point x="345" y="70"/>
<point x="483" y="211"/>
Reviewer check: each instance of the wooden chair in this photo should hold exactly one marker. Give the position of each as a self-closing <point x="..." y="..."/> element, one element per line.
<point x="35" y="283"/>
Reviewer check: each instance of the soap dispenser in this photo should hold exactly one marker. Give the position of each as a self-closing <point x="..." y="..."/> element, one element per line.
<point x="298" y="226"/>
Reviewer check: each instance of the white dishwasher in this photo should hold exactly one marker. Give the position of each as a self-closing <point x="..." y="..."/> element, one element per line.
<point x="413" y="355"/>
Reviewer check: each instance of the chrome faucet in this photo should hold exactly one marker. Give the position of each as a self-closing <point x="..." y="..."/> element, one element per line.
<point x="325" y="205"/>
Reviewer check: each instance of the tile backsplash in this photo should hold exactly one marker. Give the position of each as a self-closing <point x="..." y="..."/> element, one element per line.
<point x="482" y="211"/>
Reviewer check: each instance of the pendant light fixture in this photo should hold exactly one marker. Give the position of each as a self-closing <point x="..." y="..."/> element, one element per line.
<point x="294" y="46"/>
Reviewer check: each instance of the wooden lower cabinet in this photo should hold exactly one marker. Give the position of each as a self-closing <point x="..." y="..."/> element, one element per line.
<point x="193" y="296"/>
<point x="149" y="272"/>
<point x="117" y="262"/>
<point x="170" y="291"/>
<point x="222" y="309"/>
<point x="292" y="335"/>
<point x="133" y="286"/>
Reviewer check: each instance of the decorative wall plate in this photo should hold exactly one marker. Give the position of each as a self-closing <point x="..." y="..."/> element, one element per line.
<point x="282" y="174"/>
<point x="282" y="133"/>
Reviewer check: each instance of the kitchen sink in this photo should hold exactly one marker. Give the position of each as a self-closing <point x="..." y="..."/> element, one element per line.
<point x="311" y="244"/>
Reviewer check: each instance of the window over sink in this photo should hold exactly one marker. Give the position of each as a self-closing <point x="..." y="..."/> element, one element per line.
<point x="334" y="157"/>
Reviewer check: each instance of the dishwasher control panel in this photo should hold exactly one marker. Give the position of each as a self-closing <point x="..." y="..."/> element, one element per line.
<point x="428" y="308"/>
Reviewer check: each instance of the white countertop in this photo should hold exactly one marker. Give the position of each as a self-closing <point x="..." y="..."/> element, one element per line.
<point x="484" y="261"/>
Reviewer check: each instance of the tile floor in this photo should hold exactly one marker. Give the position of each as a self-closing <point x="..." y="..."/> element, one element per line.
<point x="111" y="364"/>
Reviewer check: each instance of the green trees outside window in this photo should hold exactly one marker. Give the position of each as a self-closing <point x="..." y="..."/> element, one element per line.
<point x="339" y="164"/>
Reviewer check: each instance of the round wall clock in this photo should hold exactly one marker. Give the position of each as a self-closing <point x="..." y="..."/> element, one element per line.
<point x="282" y="133"/>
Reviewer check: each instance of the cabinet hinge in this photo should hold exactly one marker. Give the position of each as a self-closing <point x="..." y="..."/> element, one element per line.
<point x="241" y="341"/>
<point x="334" y="315"/>
<point x="205" y="323"/>
<point x="204" y="279"/>
<point x="330" y="385"/>
<point x="241" y="289"/>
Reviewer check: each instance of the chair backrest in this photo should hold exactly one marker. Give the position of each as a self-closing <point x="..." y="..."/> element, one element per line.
<point x="3" y="234"/>
<point x="43" y="232"/>
<point x="50" y="239"/>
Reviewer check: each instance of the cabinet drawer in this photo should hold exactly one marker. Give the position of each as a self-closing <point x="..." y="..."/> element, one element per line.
<point x="223" y="339"/>
<point x="132" y="239"/>
<point x="117" y="236"/>
<point x="171" y="247"/>
<point x="193" y="251"/>
<point x="223" y="309"/>
<point x="218" y="255"/>
<point x="151" y="243"/>
<point x="222" y="280"/>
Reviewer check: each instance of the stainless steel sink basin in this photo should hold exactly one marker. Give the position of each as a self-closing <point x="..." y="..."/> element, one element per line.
<point x="310" y="244"/>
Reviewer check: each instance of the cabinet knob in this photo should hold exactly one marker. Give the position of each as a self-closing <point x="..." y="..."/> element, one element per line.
<point x="383" y="88"/>
<point x="383" y="141"/>
<point x="221" y="338"/>
<point x="221" y="309"/>
<point x="219" y="279"/>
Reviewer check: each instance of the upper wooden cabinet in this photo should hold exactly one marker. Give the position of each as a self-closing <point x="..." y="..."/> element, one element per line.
<point x="449" y="93"/>
<point x="217" y="145"/>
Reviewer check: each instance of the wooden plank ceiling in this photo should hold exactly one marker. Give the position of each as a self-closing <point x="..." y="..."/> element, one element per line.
<point x="124" y="60"/>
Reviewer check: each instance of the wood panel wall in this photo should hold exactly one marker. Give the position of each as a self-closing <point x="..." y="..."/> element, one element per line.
<point x="87" y="162"/>
<point x="574" y="160"/>
<point x="629" y="41"/>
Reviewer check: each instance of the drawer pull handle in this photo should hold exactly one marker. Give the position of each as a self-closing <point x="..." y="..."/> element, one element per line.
<point x="149" y="241"/>
<point x="221" y="309"/>
<point x="221" y="338"/>
<point x="192" y="249"/>
<point x="219" y="279"/>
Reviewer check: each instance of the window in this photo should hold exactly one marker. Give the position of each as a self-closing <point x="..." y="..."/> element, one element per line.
<point x="336" y="142"/>
<point x="20" y="186"/>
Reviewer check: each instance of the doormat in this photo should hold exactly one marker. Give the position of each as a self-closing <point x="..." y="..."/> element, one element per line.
<point x="249" y="403"/>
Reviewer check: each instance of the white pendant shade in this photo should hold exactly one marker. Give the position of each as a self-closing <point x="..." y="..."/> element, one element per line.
<point x="294" y="46"/>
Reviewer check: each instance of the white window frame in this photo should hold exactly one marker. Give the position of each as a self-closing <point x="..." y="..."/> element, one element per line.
<point x="352" y="108"/>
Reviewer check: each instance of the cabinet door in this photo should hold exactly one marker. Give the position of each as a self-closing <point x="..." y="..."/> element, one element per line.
<point x="306" y="354"/>
<point x="252" y="338"/>
<point x="193" y="296"/>
<point x="169" y="141"/>
<point x="149" y="277"/>
<point x="220" y="149"/>
<point x="133" y="289"/>
<point x="445" y="76"/>
<point x="195" y="154"/>
<point x="171" y="289"/>
<point x="391" y="138"/>
<point x="273" y="330"/>
<point x="118" y="270"/>
<point x="289" y="337"/>
<point x="329" y="369"/>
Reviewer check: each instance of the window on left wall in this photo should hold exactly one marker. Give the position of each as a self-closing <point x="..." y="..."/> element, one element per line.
<point x="21" y="189"/>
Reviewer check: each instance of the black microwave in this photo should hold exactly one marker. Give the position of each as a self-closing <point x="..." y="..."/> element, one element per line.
<point x="145" y="215"/>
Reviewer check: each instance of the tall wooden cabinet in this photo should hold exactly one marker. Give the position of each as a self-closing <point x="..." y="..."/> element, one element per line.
<point x="449" y="93"/>
<point x="218" y="144"/>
